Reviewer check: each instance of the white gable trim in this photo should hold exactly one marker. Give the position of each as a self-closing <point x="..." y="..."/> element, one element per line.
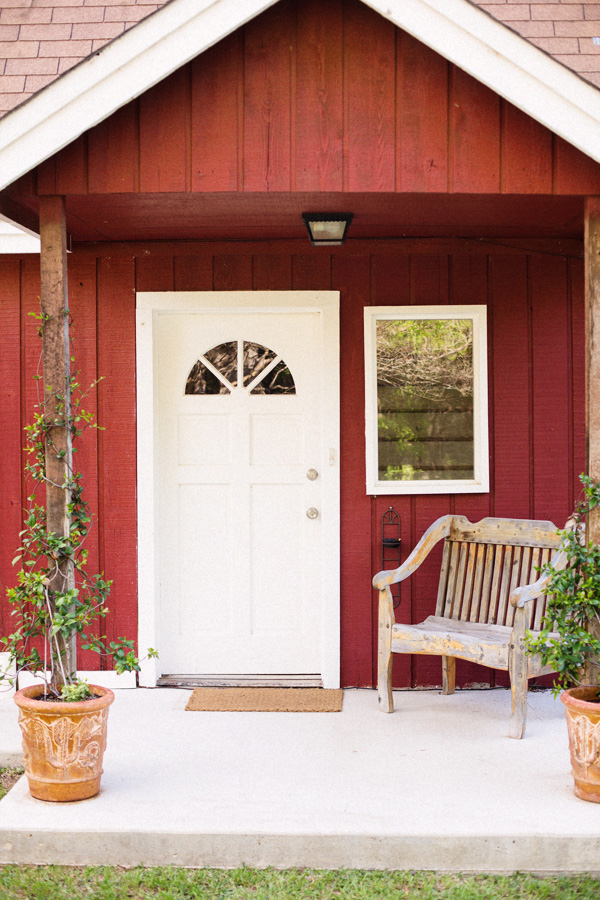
<point x="182" y="29"/>
<point x="120" y="71"/>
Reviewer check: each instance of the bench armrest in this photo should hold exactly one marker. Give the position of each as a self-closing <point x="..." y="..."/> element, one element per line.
<point x="522" y="595"/>
<point x="436" y="532"/>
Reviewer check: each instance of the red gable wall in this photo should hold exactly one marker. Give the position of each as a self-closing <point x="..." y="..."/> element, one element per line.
<point x="314" y="96"/>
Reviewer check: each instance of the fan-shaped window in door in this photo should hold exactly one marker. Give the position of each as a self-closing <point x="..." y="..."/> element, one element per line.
<point x="261" y="370"/>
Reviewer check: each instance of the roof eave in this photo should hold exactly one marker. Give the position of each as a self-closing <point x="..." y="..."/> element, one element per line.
<point x="123" y="69"/>
<point x="158" y="45"/>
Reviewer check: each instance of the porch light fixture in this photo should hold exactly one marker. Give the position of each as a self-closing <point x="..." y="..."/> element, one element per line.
<point x="327" y="229"/>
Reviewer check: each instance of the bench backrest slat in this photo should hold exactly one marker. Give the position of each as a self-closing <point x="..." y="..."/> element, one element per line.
<point x="540" y="608"/>
<point x="471" y="554"/>
<point x="479" y="585"/>
<point x="488" y="573"/>
<point x="443" y="585"/>
<point x="483" y="563"/>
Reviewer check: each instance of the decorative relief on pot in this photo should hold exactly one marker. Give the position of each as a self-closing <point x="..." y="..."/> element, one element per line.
<point x="584" y="738"/>
<point x="73" y="746"/>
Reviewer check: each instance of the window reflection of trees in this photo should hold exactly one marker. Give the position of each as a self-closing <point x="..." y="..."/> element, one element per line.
<point x="256" y="358"/>
<point x="425" y="399"/>
<point x="224" y="359"/>
<point x="278" y="381"/>
<point x="276" y="377"/>
<point x="202" y="381"/>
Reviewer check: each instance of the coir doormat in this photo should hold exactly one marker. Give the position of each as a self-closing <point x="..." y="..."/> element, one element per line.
<point x="225" y="699"/>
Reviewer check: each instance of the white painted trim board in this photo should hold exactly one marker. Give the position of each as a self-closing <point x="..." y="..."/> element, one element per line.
<point x="481" y="481"/>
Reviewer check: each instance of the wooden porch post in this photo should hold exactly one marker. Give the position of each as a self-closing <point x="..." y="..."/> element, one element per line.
<point x="56" y="370"/>
<point x="592" y="367"/>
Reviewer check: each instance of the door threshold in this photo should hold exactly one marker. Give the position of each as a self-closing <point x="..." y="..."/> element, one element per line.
<point x="194" y="681"/>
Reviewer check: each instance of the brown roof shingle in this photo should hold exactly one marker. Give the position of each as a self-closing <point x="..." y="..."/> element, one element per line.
<point x="569" y="30"/>
<point x="40" y="39"/>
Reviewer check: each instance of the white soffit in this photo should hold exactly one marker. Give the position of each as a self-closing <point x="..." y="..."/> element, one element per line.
<point x="16" y="238"/>
<point x="182" y="29"/>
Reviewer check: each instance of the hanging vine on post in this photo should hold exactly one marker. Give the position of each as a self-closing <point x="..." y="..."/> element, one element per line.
<point x="55" y="599"/>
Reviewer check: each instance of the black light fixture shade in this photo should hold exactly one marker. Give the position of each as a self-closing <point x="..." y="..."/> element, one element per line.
<point x="327" y="229"/>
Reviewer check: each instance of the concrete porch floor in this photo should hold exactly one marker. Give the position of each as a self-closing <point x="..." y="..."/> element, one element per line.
<point x="437" y="785"/>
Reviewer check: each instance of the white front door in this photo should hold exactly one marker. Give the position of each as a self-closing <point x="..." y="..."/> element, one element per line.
<point x="247" y="488"/>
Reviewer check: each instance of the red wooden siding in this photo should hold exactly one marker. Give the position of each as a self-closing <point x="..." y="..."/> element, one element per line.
<point x="82" y="303"/>
<point x="536" y="392"/>
<point x="115" y="299"/>
<point x="10" y="426"/>
<point x="325" y="97"/>
<point x="319" y="97"/>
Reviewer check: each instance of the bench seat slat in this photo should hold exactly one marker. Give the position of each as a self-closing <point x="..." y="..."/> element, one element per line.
<point x="488" y="645"/>
<point x="441" y="623"/>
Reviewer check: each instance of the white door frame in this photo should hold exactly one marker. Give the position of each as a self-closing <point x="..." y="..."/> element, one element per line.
<point x="150" y="305"/>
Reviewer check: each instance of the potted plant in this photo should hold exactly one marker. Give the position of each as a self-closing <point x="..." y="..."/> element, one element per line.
<point x="570" y="641"/>
<point x="56" y="603"/>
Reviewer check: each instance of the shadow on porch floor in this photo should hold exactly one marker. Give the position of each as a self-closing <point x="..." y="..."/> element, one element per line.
<point x="436" y="785"/>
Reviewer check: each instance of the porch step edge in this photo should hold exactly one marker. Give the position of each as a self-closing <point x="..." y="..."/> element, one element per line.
<point x="491" y="854"/>
<point x="193" y="681"/>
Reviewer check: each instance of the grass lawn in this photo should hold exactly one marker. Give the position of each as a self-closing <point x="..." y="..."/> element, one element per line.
<point x="8" y="776"/>
<point x="105" y="883"/>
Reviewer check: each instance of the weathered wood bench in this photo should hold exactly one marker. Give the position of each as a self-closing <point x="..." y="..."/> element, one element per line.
<point x="489" y="595"/>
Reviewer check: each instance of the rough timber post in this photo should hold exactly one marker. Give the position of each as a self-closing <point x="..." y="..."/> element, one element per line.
<point x="592" y="367"/>
<point x="56" y="370"/>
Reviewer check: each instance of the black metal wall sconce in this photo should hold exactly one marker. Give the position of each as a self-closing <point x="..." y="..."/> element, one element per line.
<point x="327" y="229"/>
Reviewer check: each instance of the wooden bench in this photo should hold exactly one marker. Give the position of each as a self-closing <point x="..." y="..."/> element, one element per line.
<point x="489" y="595"/>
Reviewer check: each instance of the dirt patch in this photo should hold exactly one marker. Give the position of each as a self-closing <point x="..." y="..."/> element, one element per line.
<point x="8" y="777"/>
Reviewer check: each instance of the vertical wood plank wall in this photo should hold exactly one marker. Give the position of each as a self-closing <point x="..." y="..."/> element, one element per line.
<point x="314" y="96"/>
<point x="536" y="402"/>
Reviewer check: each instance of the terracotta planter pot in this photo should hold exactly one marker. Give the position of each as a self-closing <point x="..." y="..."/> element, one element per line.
<point x="63" y="743"/>
<point x="583" y="723"/>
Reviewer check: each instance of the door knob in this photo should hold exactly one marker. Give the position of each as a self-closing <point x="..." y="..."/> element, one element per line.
<point x="312" y="474"/>
<point x="312" y="513"/>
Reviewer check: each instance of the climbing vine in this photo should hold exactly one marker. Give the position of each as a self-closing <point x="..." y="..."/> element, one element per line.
<point x="55" y="600"/>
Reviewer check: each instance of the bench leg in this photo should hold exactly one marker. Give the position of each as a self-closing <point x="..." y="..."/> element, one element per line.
<point x="519" y="682"/>
<point x="384" y="689"/>
<point x="384" y="682"/>
<point x="384" y="663"/>
<point x="448" y="674"/>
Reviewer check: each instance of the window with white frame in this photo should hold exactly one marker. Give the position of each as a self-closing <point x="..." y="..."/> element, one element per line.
<point x="426" y="399"/>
